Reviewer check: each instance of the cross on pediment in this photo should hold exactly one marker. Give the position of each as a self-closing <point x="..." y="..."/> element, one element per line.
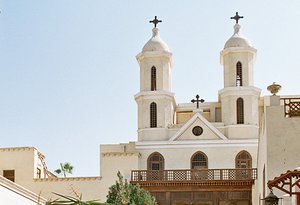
<point x="155" y="21"/>
<point x="237" y="17"/>
<point x="197" y="101"/>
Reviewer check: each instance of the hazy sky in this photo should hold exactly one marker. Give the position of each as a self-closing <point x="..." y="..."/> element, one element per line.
<point x="68" y="71"/>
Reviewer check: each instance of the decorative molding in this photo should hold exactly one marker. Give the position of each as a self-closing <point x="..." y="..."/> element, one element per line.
<point x="232" y="91"/>
<point x="208" y="184"/>
<point x="237" y="50"/>
<point x="17" y="149"/>
<point x="160" y="94"/>
<point x="155" y="54"/>
<point x="119" y="154"/>
<point x="68" y="179"/>
<point x="203" y="120"/>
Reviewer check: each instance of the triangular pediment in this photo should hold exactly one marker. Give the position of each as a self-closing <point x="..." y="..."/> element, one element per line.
<point x="209" y="132"/>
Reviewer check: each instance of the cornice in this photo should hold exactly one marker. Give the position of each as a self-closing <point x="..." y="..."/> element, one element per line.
<point x="7" y="149"/>
<point x="237" y="50"/>
<point x="119" y="154"/>
<point x="68" y="179"/>
<point x="241" y="90"/>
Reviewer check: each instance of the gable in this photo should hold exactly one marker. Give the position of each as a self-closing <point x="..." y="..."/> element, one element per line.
<point x="209" y="132"/>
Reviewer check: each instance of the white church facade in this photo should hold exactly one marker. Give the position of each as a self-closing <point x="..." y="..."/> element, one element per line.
<point x="212" y="153"/>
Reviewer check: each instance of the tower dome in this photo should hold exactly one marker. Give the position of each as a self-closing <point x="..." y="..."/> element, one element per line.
<point x="155" y="43"/>
<point x="237" y="40"/>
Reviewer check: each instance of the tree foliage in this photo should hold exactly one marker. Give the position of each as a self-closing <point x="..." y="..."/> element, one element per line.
<point x="64" y="169"/>
<point x="124" y="193"/>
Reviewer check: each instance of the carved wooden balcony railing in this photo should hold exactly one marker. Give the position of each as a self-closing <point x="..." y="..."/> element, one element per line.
<point x="193" y="175"/>
<point x="291" y="107"/>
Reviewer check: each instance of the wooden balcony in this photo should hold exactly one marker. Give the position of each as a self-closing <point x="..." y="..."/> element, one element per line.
<point x="193" y="175"/>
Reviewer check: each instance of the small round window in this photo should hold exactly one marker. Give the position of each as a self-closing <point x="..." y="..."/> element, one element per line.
<point x="197" y="130"/>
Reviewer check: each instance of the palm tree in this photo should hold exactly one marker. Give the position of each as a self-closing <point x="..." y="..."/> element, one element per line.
<point x="65" y="168"/>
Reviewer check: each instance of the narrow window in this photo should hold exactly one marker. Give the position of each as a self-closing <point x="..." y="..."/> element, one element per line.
<point x="199" y="161"/>
<point x="38" y="173"/>
<point x="240" y="111"/>
<point x="239" y="76"/>
<point x="153" y="115"/>
<point x="153" y="78"/>
<point x="9" y="174"/>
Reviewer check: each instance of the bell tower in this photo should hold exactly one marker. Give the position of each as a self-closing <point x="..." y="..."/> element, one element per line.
<point x="239" y="98"/>
<point x="155" y="100"/>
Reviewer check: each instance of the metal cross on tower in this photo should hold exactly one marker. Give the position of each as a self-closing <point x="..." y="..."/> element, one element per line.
<point x="155" y="21"/>
<point x="237" y="17"/>
<point x="197" y="100"/>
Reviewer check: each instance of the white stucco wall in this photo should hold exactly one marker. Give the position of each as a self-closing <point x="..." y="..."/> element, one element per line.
<point x="179" y="157"/>
<point x="282" y="143"/>
<point x="14" y="194"/>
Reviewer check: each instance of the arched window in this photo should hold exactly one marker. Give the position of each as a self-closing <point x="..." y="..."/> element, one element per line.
<point x="243" y="160"/>
<point x="239" y="76"/>
<point x="153" y="78"/>
<point x="199" y="161"/>
<point x="153" y="115"/>
<point x="240" y="111"/>
<point x="156" y="162"/>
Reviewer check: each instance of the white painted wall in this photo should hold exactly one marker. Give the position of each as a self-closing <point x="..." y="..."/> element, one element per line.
<point x="13" y="194"/>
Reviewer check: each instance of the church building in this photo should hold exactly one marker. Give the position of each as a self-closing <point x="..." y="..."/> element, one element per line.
<point x="200" y="153"/>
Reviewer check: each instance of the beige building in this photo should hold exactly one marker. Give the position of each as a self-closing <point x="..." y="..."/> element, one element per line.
<point x="210" y="153"/>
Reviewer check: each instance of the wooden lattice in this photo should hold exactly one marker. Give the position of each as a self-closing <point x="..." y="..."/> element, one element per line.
<point x="193" y="174"/>
<point x="291" y="107"/>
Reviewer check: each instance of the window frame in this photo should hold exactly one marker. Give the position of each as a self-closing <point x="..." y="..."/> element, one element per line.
<point x="153" y="115"/>
<point x="151" y="161"/>
<point x="239" y="159"/>
<point x="239" y="74"/>
<point x="197" y="161"/>
<point x="240" y="116"/>
<point x="153" y="78"/>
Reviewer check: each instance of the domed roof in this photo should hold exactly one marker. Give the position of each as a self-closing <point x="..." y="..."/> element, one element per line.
<point x="237" y="40"/>
<point x="155" y="43"/>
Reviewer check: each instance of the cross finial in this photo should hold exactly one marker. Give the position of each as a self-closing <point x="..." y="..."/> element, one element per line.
<point x="237" y="17"/>
<point x="155" y="21"/>
<point x="197" y="100"/>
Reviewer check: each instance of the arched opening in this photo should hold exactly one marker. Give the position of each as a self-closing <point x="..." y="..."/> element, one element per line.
<point x="239" y="76"/>
<point x="153" y="114"/>
<point x="153" y="78"/>
<point x="199" y="161"/>
<point x="240" y="111"/>
<point x="156" y="162"/>
<point x="243" y="161"/>
<point x="199" y="165"/>
<point x="155" y="166"/>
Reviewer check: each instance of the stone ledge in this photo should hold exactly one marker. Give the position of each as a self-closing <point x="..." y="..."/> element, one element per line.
<point x="117" y="154"/>
<point x="68" y="179"/>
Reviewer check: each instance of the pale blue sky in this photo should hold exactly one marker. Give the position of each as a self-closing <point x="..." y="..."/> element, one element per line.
<point x="68" y="71"/>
